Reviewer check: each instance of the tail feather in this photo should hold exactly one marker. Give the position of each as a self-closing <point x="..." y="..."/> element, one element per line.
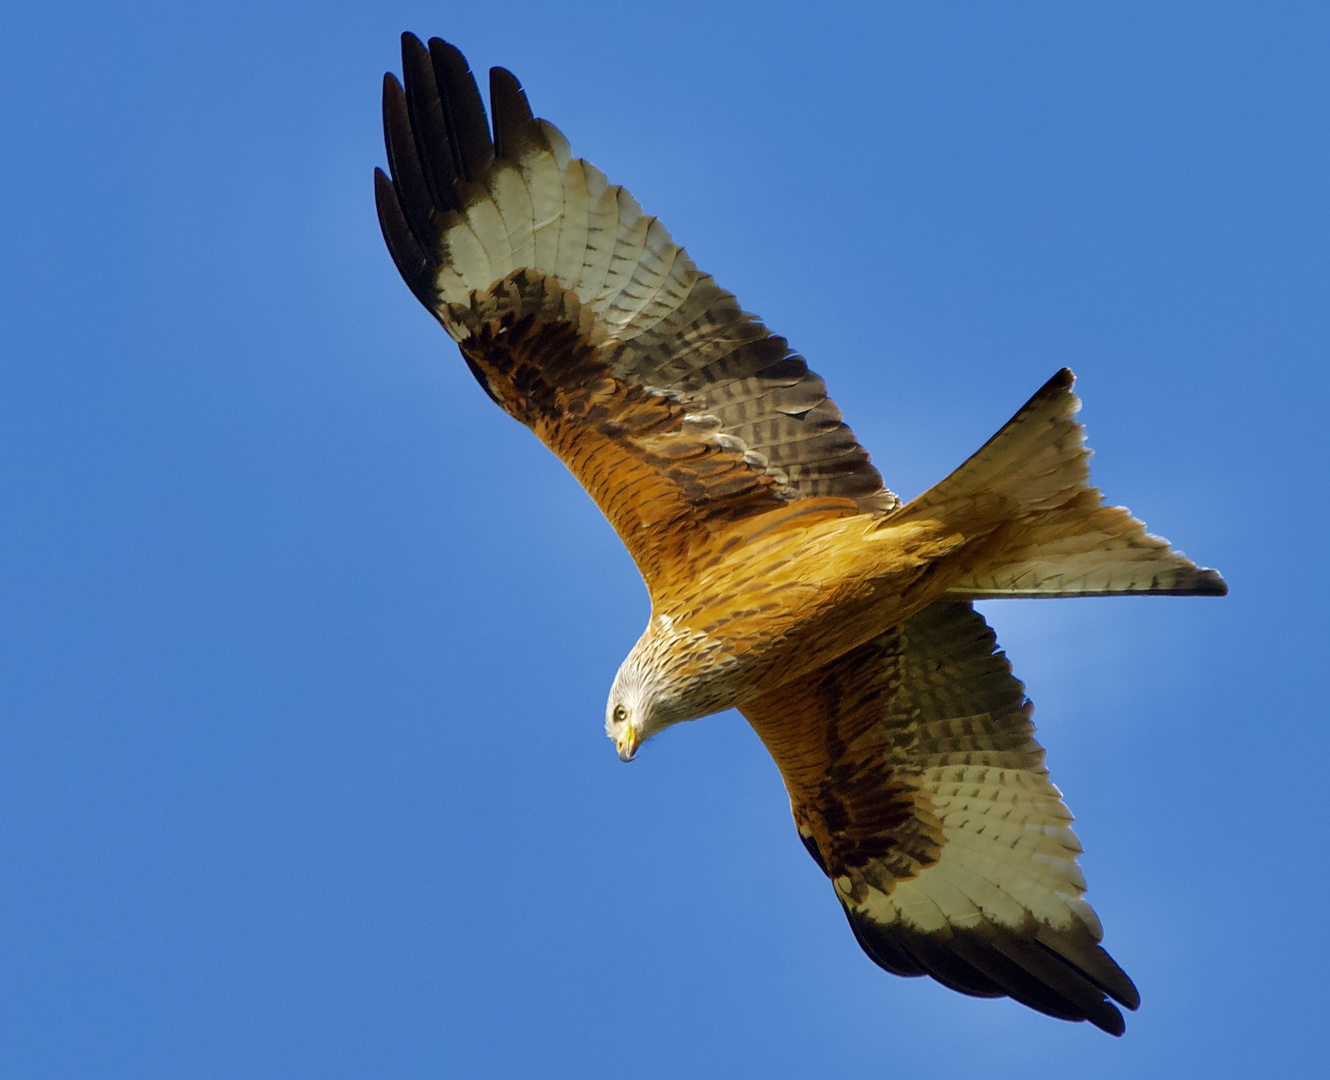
<point x="1033" y="479"/>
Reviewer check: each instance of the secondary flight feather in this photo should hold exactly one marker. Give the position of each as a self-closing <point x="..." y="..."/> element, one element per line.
<point x="786" y="580"/>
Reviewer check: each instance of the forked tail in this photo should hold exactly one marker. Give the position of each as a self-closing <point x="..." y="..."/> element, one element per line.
<point x="1030" y="485"/>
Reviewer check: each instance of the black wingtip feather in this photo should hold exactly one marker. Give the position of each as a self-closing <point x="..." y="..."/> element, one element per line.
<point x="411" y="261"/>
<point x="1092" y="961"/>
<point x="880" y="948"/>
<point x="951" y="970"/>
<point x="512" y="111"/>
<point x="465" y="109"/>
<point x="1036" y="979"/>
<point x="1006" y="964"/>
<point x="436" y="134"/>
<point x="434" y="142"/>
<point x="915" y="954"/>
<point x="413" y="194"/>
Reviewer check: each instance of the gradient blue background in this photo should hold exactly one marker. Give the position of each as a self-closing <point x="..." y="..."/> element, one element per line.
<point x="305" y="644"/>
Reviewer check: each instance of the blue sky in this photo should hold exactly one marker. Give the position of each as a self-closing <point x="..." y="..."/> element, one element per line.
<point x="304" y="645"/>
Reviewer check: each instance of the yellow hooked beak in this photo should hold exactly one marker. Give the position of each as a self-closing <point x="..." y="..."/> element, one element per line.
<point x="628" y="743"/>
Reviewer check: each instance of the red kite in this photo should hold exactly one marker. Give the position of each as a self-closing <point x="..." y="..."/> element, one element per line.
<point x="786" y="581"/>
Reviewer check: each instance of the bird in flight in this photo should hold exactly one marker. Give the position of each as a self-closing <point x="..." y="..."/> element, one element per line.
<point x="785" y="579"/>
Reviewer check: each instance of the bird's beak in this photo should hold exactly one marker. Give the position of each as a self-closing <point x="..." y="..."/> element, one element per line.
<point x="628" y="744"/>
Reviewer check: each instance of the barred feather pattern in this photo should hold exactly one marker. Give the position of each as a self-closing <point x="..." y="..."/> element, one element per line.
<point x="917" y="785"/>
<point x="669" y="328"/>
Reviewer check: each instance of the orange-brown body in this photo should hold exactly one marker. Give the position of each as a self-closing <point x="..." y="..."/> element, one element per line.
<point x="776" y="587"/>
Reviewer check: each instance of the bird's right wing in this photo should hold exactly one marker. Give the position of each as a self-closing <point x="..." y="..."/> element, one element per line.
<point x="918" y="787"/>
<point x="678" y="412"/>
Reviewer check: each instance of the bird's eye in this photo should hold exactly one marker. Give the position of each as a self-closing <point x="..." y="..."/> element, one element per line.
<point x="620" y="714"/>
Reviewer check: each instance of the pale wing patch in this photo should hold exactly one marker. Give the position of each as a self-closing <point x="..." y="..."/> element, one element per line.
<point x="523" y="203"/>
<point x="574" y="224"/>
<point x="970" y="875"/>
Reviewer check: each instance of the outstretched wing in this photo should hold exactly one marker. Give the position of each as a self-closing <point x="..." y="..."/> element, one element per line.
<point x="918" y="787"/>
<point x="677" y="411"/>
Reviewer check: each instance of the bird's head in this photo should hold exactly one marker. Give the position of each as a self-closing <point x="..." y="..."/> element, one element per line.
<point x="631" y="714"/>
<point x="667" y="678"/>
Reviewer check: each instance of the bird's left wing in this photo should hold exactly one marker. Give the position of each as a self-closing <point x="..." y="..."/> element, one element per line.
<point x="678" y="412"/>
<point x="918" y="787"/>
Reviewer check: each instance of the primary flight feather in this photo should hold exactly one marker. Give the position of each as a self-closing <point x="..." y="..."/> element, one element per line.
<point x="786" y="580"/>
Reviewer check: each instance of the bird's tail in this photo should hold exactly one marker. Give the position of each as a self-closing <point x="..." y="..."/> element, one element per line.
<point x="1030" y="485"/>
